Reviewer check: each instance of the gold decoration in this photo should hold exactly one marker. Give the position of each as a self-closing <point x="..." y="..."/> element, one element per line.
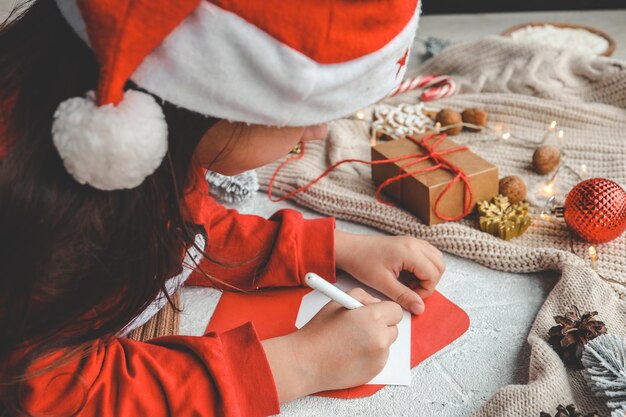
<point x="503" y="219"/>
<point x="297" y="150"/>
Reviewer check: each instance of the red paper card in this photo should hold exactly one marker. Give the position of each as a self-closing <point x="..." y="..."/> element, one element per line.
<point x="274" y="313"/>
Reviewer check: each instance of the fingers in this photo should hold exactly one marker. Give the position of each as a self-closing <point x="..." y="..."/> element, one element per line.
<point x="362" y="296"/>
<point x="426" y="271"/>
<point x="358" y="294"/>
<point x="436" y="257"/>
<point x="428" y="268"/>
<point x="393" y="334"/>
<point x="388" y="311"/>
<point x="403" y="295"/>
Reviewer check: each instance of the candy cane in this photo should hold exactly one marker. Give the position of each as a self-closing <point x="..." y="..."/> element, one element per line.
<point x="439" y="91"/>
<point x="435" y="86"/>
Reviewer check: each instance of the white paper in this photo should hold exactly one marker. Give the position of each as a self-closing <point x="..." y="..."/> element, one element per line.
<point x="397" y="371"/>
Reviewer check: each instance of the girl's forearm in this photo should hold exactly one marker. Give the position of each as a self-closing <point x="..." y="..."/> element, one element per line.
<point x="291" y="375"/>
<point x="342" y="249"/>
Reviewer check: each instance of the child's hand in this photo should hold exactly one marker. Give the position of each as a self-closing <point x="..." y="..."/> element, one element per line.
<point x="338" y="348"/>
<point x="379" y="260"/>
<point x="350" y="346"/>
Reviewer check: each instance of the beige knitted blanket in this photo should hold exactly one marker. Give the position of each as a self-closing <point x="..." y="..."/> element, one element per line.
<point x="522" y="87"/>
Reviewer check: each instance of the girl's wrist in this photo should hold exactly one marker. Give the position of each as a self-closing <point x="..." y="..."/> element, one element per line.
<point x="343" y="247"/>
<point x="293" y="372"/>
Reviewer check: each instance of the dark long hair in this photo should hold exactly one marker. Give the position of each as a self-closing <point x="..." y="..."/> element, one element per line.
<point x="76" y="263"/>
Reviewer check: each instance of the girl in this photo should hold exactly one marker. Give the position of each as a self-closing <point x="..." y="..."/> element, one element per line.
<point x="104" y="135"/>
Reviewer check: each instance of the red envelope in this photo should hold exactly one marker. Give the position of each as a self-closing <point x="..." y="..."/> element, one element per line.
<point x="274" y="313"/>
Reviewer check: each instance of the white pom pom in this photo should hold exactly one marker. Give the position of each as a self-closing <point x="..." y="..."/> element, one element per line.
<point x="110" y="147"/>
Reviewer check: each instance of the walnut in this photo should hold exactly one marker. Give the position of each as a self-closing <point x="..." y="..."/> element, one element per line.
<point x="546" y="158"/>
<point x="514" y="188"/>
<point x="476" y="117"/>
<point x="448" y="117"/>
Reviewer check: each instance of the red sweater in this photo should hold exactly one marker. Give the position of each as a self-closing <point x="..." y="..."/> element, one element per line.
<point x="223" y="374"/>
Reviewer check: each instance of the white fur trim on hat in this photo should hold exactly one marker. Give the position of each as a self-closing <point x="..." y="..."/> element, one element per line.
<point x="110" y="147"/>
<point x="217" y="63"/>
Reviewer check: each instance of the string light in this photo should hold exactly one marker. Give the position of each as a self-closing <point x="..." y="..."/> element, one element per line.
<point x="550" y="212"/>
<point x="373" y="136"/>
<point x="560" y="138"/>
<point x="546" y="209"/>
<point x="593" y="257"/>
<point x="548" y="132"/>
<point x="359" y="115"/>
<point x="548" y="188"/>
<point x="500" y="131"/>
<point x="584" y="174"/>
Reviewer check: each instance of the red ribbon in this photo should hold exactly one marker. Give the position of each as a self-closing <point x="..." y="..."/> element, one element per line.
<point x="431" y="153"/>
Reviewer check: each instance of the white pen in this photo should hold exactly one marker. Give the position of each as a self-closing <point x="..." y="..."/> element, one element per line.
<point x="329" y="290"/>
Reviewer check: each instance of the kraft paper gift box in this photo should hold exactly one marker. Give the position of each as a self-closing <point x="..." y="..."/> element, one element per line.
<point x="419" y="192"/>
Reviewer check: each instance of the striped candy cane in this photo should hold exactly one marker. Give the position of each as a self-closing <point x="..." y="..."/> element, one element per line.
<point x="434" y="86"/>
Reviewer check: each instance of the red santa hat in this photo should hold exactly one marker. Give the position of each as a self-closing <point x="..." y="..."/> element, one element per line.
<point x="271" y="62"/>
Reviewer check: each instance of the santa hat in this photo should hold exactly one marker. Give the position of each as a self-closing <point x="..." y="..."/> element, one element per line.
<point x="270" y="62"/>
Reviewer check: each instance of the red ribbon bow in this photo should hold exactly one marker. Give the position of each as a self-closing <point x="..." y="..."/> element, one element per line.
<point x="431" y="153"/>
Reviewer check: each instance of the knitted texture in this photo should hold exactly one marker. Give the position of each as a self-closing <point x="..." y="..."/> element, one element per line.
<point x="234" y="189"/>
<point x="522" y="87"/>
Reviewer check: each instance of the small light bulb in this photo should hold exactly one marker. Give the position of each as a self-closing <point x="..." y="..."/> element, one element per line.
<point x="360" y="115"/>
<point x="373" y="137"/>
<point x="548" y="132"/>
<point x="506" y="135"/>
<point x="583" y="172"/>
<point x="548" y="188"/>
<point x="593" y="256"/>
<point x="560" y="138"/>
<point x="437" y="126"/>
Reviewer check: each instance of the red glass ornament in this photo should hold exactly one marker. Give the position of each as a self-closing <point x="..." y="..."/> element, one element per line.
<point x="595" y="210"/>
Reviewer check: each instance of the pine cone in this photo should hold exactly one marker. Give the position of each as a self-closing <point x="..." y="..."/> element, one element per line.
<point x="571" y="334"/>
<point x="561" y="411"/>
<point x="569" y="411"/>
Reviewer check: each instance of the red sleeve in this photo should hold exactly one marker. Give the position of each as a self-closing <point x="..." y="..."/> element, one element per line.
<point x="251" y="252"/>
<point x="214" y="375"/>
